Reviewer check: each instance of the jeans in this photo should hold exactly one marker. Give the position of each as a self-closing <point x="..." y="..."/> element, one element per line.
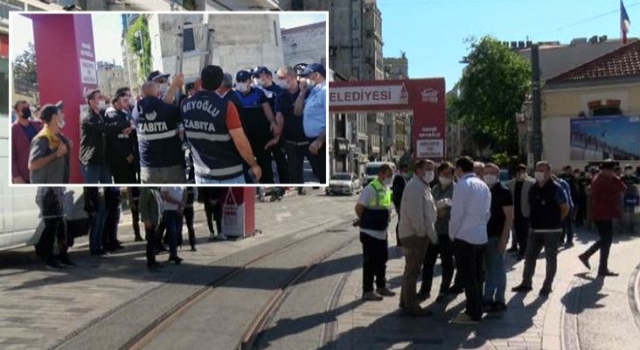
<point x="495" y="273"/>
<point x="171" y="222"/>
<point x="280" y="157"/>
<point x="444" y="248"/>
<point x="521" y="226"/>
<point x="567" y="230"/>
<point x="605" y="230"/>
<point x="188" y="218"/>
<point x="94" y="174"/>
<point x="537" y="240"/>
<point x="236" y="180"/>
<point x="296" y="153"/>
<point x="374" y="262"/>
<point x="97" y="228"/>
<point x="318" y="163"/>
<point x="163" y="175"/>
<point x="416" y="249"/>
<point x="469" y="258"/>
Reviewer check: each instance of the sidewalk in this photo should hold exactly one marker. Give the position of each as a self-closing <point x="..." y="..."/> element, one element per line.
<point x="40" y="308"/>
<point x="601" y="309"/>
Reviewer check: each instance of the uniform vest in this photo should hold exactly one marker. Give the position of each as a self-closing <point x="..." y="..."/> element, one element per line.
<point x="545" y="211"/>
<point x="214" y="154"/>
<point x="377" y="212"/>
<point x="158" y="140"/>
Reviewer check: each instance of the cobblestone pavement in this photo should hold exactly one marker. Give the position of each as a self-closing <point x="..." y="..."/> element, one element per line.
<point x="583" y="312"/>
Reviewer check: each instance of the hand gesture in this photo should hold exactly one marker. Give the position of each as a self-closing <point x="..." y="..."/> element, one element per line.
<point x="178" y="80"/>
<point x="62" y="150"/>
<point x="303" y="86"/>
<point x="271" y="143"/>
<point x="257" y="172"/>
<point x="314" y="147"/>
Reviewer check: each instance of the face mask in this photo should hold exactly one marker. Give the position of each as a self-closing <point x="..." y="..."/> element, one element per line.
<point x="241" y="87"/>
<point x="257" y="82"/>
<point x="539" y="176"/>
<point x="444" y="181"/>
<point x="388" y="181"/>
<point x="60" y="124"/>
<point x="132" y="101"/>
<point x="522" y="176"/>
<point x="102" y="105"/>
<point x="428" y="176"/>
<point x="26" y="113"/>
<point x="310" y="83"/>
<point x="490" y="180"/>
<point x="283" y="84"/>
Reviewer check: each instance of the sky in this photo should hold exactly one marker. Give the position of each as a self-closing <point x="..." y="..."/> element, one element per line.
<point x="109" y="27"/>
<point x="431" y="32"/>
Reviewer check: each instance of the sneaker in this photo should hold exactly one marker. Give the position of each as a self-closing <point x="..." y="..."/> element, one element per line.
<point x="385" y="292"/>
<point x="568" y="245"/>
<point x="498" y="307"/>
<point x="221" y="237"/>
<point x="176" y="260"/>
<point x="138" y="239"/>
<point x="464" y="319"/>
<point x="608" y="274"/>
<point x="545" y="291"/>
<point x="371" y="296"/>
<point x="522" y="289"/>
<point x="193" y="249"/>
<point x="585" y="261"/>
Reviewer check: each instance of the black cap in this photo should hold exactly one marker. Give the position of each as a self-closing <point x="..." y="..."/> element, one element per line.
<point x="156" y="74"/>
<point x="47" y="112"/>
<point x="243" y="75"/>
<point x="313" y="68"/>
<point x="260" y="70"/>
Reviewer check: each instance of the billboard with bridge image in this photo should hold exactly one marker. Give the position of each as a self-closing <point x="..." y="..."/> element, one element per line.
<point x="599" y="138"/>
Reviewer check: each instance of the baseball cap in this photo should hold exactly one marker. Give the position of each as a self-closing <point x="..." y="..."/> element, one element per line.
<point x="243" y="75"/>
<point x="260" y="70"/>
<point x="312" y="68"/>
<point x="156" y="74"/>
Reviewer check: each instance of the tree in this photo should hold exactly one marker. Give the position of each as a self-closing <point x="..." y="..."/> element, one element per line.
<point x="493" y="88"/>
<point x="24" y="66"/>
<point x="135" y="44"/>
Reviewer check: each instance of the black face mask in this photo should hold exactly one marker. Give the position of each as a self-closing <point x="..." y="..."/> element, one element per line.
<point x="26" y="113"/>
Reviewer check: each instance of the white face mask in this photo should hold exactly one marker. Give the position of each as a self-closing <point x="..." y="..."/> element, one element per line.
<point x="241" y="87"/>
<point x="490" y="180"/>
<point x="428" y="176"/>
<point x="60" y="123"/>
<point x="283" y="84"/>
<point x="387" y="182"/>
<point x="163" y="88"/>
<point x="310" y="83"/>
<point x="257" y="82"/>
<point x="445" y="181"/>
<point x="102" y="105"/>
<point x="539" y="175"/>
<point x="132" y="101"/>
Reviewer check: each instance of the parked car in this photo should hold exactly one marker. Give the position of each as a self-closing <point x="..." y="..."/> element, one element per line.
<point x="343" y="183"/>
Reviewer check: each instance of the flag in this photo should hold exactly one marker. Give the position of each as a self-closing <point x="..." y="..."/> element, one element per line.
<point x="625" y="23"/>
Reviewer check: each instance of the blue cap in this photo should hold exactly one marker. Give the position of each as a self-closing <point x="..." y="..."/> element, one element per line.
<point x="313" y="68"/>
<point x="260" y="70"/>
<point x="243" y="75"/>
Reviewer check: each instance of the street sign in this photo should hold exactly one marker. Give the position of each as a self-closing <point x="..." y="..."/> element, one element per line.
<point x="368" y="95"/>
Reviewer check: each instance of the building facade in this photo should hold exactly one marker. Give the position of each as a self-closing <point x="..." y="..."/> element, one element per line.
<point x="305" y="44"/>
<point x="111" y="77"/>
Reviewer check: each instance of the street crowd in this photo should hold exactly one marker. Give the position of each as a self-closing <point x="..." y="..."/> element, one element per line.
<point x="213" y="129"/>
<point x="464" y="214"/>
<point x="164" y="211"/>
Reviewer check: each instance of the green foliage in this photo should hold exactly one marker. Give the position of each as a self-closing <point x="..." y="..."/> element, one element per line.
<point x="24" y="66"/>
<point x="493" y="88"/>
<point x="134" y="44"/>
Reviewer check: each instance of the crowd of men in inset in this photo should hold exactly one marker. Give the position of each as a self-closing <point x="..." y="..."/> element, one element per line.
<point x="214" y="129"/>
<point x="164" y="211"/>
<point x="463" y="213"/>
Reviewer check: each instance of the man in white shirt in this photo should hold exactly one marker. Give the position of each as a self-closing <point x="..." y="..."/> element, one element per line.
<point x="374" y="213"/>
<point x="173" y="209"/>
<point x="470" y="213"/>
<point x="416" y="230"/>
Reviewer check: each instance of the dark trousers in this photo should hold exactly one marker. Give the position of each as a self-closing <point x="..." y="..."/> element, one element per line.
<point x="521" y="227"/>
<point x="160" y="233"/>
<point x="188" y="218"/>
<point x="605" y="230"/>
<point x="444" y="248"/>
<point x="135" y="215"/>
<point x="567" y="230"/>
<point x="319" y="164"/>
<point x="264" y="161"/>
<point x="124" y="173"/>
<point x="53" y="228"/>
<point x="537" y="240"/>
<point x="171" y="221"/>
<point x="150" y="235"/>
<point x="213" y="213"/>
<point x="374" y="262"/>
<point x="581" y="211"/>
<point x="295" y="156"/>
<point x="470" y="259"/>
<point x="279" y="154"/>
<point x="110" y="237"/>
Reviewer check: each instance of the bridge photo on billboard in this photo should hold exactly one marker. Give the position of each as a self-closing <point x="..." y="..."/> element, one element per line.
<point x="424" y="97"/>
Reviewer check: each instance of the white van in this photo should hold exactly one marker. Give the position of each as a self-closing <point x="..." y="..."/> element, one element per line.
<point x="371" y="171"/>
<point x="18" y="209"/>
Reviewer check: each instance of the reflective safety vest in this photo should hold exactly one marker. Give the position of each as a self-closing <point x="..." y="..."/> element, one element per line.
<point x="377" y="213"/>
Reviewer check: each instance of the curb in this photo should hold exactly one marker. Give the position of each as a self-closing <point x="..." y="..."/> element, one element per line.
<point x="633" y="292"/>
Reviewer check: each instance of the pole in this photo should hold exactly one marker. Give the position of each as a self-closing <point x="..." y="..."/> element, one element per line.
<point x="536" y="140"/>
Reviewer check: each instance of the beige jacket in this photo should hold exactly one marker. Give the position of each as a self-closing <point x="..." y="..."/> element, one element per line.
<point x="524" y="196"/>
<point x="417" y="211"/>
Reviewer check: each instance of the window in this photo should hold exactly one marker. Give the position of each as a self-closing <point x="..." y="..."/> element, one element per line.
<point x="188" y="41"/>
